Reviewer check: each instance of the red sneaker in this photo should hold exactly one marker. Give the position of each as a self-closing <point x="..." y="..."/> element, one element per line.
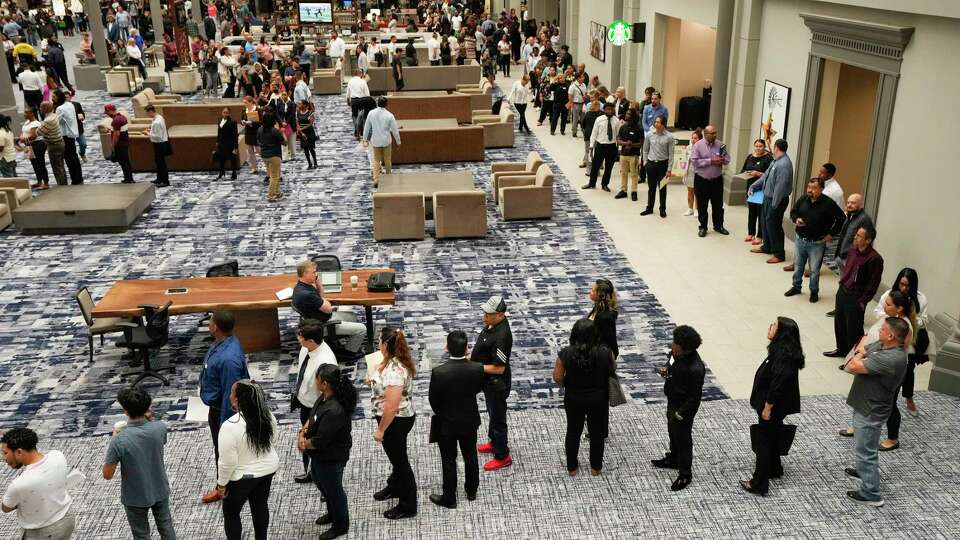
<point x="497" y="464"/>
<point x="485" y="448"/>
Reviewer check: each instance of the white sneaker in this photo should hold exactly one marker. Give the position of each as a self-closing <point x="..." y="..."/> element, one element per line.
<point x="689" y="212"/>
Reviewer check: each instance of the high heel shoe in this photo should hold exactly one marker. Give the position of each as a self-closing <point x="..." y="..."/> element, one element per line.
<point x="748" y="487"/>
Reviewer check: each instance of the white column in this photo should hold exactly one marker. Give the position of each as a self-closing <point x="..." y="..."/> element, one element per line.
<point x="721" y="63"/>
<point x="97" y="35"/>
<point x="156" y="15"/>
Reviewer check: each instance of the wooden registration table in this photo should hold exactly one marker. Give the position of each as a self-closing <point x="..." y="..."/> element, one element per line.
<point x="252" y="299"/>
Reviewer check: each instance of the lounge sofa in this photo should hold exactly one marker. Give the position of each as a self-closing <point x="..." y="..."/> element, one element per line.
<point x="398" y="216"/>
<point x="502" y="169"/>
<point x="462" y="143"/>
<point x="460" y="214"/>
<point x="421" y="77"/>
<point x="14" y="192"/>
<point x="442" y="105"/>
<point x="497" y="128"/>
<point x="527" y="197"/>
<point x="6" y="215"/>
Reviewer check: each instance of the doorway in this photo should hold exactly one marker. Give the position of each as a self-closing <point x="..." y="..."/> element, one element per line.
<point x="845" y="123"/>
<point x="686" y="69"/>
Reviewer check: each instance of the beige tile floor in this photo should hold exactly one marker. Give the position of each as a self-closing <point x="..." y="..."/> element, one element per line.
<point x="713" y="284"/>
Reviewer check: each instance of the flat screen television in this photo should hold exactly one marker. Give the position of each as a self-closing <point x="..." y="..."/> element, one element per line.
<point x="316" y="12"/>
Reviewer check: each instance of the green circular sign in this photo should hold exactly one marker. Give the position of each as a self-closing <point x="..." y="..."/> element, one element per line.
<point x="619" y="32"/>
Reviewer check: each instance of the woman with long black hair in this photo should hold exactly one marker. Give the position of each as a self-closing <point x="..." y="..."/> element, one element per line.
<point x="326" y="439"/>
<point x="604" y="313"/>
<point x="248" y="460"/>
<point x="583" y="369"/>
<point x="306" y="132"/>
<point x="776" y="394"/>
<point x="392" y="401"/>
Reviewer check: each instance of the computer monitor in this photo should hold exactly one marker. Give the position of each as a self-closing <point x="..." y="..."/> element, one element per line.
<point x="316" y="12"/>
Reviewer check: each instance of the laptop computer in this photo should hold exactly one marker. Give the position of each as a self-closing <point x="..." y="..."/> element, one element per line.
<point x="331" y="281"/>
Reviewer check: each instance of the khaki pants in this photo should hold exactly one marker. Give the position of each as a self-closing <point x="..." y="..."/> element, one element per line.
<point x="628" y="167"/>
<point x="273" y="170"/>
<point x="61" y="530"/>
<point x="381" y="154"/>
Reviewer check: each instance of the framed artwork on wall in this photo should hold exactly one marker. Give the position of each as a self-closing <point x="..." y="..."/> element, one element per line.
<point x="775" y="112"/>
<point x="598" y="41"/>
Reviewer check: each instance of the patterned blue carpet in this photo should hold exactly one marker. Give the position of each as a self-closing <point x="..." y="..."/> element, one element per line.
<point x="544" y="269"/>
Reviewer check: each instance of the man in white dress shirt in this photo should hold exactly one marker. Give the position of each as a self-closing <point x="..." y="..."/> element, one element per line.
<point x="603" y="141"/>
<point x="433" y="50"/>
<point x="160" y="142"/>
<point x="380" y="131"/>
<point x="356" y="88"/>
<point x="39" y="494"/>
<point x="313" y="353"/>
<point x="335" y="49"/>
<point x="831" y="188"/>
<point x="70" y="129"/>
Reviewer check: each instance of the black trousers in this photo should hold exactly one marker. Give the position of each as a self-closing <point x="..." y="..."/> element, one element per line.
<point x="223" y="158"/>
<point x="596" y="413"/>
<point x="893" y="421"/>
<point x="754" y="223"/>
<point x="33" y="99"/>
<point x="497" y="433"/>
<point x="681" y="443"/>
<point x="908" y="378"/>
<point x="72" y="160"/>
<point x="401" y="481"/>
<point x="304" y="416"/>
<point x="38" y="162"/>
<point x="773" y="229"/>
<point x="398" y="83"/>
<point x="768" y="456"/>
<point x="546" y="108"/>
<point x="656" y="170"/>
<point x="521" y="112"/>
<point x="139" y="65"/>
<point x="848" y="320"/>
<point x="709" y="191"/>
<point x="447" y="444"/>
<point x="213" y="420"/>
<point x="605" y="155"/>
<point x="160" y="156"/>
<point x="122" y="154"/>
<point x="559" y="114"/>
<point x="255" y="490"/>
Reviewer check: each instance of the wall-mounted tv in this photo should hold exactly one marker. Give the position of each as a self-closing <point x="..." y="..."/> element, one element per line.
<point x="316" y="12"/>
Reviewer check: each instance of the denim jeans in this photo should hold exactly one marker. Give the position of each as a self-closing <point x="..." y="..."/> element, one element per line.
<point x="328" y="476"/>
<point x="866" y="438"/>
<point x="139" y="521"/>
<point x="82" y="144"/>
<point x="808" y="250"/>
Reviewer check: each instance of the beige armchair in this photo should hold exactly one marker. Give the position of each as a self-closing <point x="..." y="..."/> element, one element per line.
<point x="6" y="215"/>
<point x="14" y="192"/>
<point x="327" y="81"/>
<point x="149" y="97"/>
<point x="460" y="214"/>
<point x="501" y="169"/>
<point x="481" y="87"/>
<point x="122" y="80"/>
<point x="398" y="216"/>
<point x="497" y="128"/>
<point x="527" y="197"/>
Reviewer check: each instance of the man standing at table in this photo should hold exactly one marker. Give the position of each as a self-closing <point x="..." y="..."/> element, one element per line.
<point x="492" y="349"/>
<point x="224" y="365"/>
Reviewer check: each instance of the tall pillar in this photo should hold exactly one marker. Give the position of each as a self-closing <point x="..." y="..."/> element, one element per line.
<point x="741" y="127"/>
<point x="564" y="32"/>
<point x="631" y="14"/>
<point x="156" y="16"/>
<point x="97" y="35"/>
<point x="197" y="10"/>
<point x="721" y="63"/>
<point x="573" y="34"/>
<point x="616" y="53"/>
<point x="8" y="102"/>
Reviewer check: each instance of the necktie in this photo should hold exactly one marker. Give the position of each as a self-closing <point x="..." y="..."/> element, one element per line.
<point x="609" y="129"/>
<point x="303" y="368"/>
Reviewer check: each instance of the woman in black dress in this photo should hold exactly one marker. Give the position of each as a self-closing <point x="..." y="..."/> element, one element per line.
<point x="325" y="437"/>
<point x="776" y="394"/>
<point x="307" y="133"/>
<point x="584" y="369"/>
<point x="250" y="120"/>
<point x="755" y="164"/>
<point x="604" y="313"/>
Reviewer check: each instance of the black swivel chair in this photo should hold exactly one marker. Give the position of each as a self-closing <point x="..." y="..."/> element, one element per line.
<point x="225" y="269"/>
<point x="344" y="357"/>
<point x="141" y="339"/>
<point x="326" y="263"/>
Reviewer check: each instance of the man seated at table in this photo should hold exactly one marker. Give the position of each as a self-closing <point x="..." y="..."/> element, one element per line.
<point x="309" y="302"/>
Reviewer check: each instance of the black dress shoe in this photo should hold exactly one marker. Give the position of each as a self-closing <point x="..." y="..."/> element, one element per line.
<point x="472" y="496"/>
<point x="324" y="520"/>
<point x="681" y="483"/>
<point x="814" y="297"/>
<point x="397" y="513"/>
<point x="845" y="433"/>
<point x="792" y="292"/>
<point x="605" y="188"/>
<point x="702" y="233"/>
<point x="748" y="487"/>
<point x="633" y="196"/>
<point x="834" y="354"/>
<point x="851" y="472"/>
<point x="587" y="186"/>
<point x="663" y="213"/>
<point x="302" y="479"/>
<point x="722" y="231"/>
<point x="621" y="195"/>
<point x="664" y="463"/>
<point x="384" y="494"/>
<point x="331" y="534"/>
<point x="440" y="501"/>
<point x="831" y="313"/>
<point x="646" y="212"/>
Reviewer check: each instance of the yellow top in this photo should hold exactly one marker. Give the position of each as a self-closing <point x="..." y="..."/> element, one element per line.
<point x="24" y="48"/>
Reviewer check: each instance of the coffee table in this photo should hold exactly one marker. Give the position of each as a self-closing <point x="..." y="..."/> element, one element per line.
<point x="426" y="183"/>
<point x="429" y="124"/>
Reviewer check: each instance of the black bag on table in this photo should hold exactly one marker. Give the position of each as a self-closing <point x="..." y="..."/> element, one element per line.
<point x="381" y="282"/>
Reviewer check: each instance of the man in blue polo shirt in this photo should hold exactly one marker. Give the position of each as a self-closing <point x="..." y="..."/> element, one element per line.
<point x="224" y="365"/>
<point x="138" y="449"/>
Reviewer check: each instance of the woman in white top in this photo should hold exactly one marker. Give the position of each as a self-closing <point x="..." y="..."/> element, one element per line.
<point x="908" y="282"/>
<point x="503" y="58"/>
<point x="135" y="57"/>
<point x="898" y="305"/>
<point x="248" y="460"/>
<point x="519" y="96"/>
<point x="363" y="64"/>
<point x="8" y="151"/>
<point x="392" y="384"/>
<point x="688" y="170"/>
<point x="227" y="69"/>
<point x="35" y="148"/>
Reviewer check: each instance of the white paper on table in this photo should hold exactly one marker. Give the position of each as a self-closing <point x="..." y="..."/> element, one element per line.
<point x="196" y="410"/>
<point x="285" y="294"/>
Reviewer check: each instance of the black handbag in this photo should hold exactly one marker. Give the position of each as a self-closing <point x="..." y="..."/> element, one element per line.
<point x="381" y="282"/>
<point x="920" y="346"/>
<point x="496" y="106"/>
<point x="787" y="433"/>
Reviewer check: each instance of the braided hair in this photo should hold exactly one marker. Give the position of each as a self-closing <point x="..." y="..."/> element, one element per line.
<point x="252" y="406"/>
<point x="343" y="390"/>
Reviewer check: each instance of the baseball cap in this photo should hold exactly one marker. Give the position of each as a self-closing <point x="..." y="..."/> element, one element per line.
<point x="494" y="304"/>
<point x="109" y="107"/>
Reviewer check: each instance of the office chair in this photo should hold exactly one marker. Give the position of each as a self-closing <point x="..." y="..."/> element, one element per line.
<point x="344" y="357"/>
<point x="225" y="269"/>
<point x="153" y="334"/>
<point x="326" y="263"/>
<point x="95" y="327"/>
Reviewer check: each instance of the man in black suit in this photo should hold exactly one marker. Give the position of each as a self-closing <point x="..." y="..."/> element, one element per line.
<point x="453" y="396"/>
<point x="227" y="138"/>
<point x="684" y="372"/>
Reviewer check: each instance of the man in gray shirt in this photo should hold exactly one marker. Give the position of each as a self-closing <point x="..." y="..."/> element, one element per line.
<point x="776" y="184"/>
<point x="879" y="370"/>
<point x="380" y="131"/>
<point x="138" y="449"/>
